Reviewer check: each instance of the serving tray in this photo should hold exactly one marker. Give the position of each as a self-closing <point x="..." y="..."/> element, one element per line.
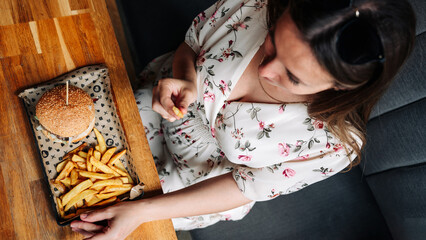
<point x="95" y="81"/>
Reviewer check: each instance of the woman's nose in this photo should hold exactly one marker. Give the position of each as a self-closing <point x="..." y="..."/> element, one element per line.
<point x="270" y="68"/>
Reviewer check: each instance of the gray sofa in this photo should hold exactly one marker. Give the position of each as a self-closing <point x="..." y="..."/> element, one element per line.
<point x="383" y="198"/>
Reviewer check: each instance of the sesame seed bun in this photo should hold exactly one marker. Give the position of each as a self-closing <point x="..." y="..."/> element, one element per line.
<point x="67" y="121"/>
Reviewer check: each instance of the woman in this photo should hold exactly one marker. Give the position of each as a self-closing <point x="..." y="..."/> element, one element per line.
<point x="270" y="106"/>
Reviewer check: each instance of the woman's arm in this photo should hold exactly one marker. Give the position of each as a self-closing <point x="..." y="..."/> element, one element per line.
<point x="179" y="91"/>
<point x="184" y="63"/>
<point x="210" y="196"/>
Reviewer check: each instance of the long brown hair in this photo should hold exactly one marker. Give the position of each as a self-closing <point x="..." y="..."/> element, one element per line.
<point x="346" y="112"/>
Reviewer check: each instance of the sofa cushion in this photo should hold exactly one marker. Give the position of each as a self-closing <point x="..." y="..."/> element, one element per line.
<point x="401" y="195"/>
<point x="419" y="7"/>
<point x="409" y="84"/>
<point x="341" y="207"/>
<point x="396" y="139"/>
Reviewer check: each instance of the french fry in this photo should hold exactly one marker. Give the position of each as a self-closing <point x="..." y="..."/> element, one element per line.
<point x="104" y="168"/>
<point x="97" y="155"/>
<point x="61" y="166"/>
<point x="75" y="150"/>
<point x="119" y="171"/>
<point x="97" y="148"/>
<point x="95" y="175"/>
<point x="93" y="200"/>
<point x="177" y="112"/>
<point x="78" y="181"/>
<point x="101" y="141"/>
<point x="82" y="154"/>
<point x="130" y="179"/>
<point x="115" y="188"/>
<point x="106" y="201"/>
<point x="79" y="197"/>
<point x="103" y="183"/>
<point x="121" y="167"/>
<point x="109" y="195"/>
<point x="58" y="185"/>
<point x="66" y="181"/>
<point x="73" y="177"/>
<point x="79" y="204"/>
<point x="76" y="158"/>
<point x="99" y="188"/>
<point x="88" y="164"/>
<point x="116" y="157"/>
<point x="127" y="176"/>
<point x="67" y="169"/>
<point x="107" y="155"/>
<point x="124" y="179"/>
<point x="76" y="190"/>
<point x="60" y="207"/>
<point x="88" y="198"/>
<point x="81" y="165"/>
<point x="59" y="202"/>
<point x="61" y="213"/>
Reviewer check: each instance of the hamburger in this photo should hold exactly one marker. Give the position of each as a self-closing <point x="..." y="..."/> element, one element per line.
<point x="61" y="122"/>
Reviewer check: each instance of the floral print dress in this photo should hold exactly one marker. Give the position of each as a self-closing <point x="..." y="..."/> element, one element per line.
<point x="271" y="149"/>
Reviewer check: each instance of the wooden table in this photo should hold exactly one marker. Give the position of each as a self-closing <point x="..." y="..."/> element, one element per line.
<point x="40" y="40"/>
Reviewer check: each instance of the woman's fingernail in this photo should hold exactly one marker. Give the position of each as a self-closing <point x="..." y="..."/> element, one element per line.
<point x="83" y="215"/>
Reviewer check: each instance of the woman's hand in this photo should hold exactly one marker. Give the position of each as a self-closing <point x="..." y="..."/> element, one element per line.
<point x="122" y="218"/>
<point x="179" y="91"/>
<point x="173" y="92"/>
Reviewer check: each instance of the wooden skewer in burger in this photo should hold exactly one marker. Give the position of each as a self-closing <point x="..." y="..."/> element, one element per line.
<point x="66" y="113"/>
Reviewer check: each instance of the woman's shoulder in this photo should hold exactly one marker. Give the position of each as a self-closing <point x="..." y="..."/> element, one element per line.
<point x="225" y="39"/>
<point x="225" y="17"/>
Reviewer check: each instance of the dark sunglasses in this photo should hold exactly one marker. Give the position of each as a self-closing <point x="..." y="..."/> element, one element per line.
<point x="357" y="41"/>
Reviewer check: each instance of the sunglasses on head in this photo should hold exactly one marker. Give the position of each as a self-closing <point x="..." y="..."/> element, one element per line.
<point x="357" y="41"/>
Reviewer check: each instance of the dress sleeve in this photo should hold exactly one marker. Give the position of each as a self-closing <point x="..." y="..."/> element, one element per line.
<point x="207" y="22"/>
<point x="261" y="184"/>
<point x="193" y="37"/>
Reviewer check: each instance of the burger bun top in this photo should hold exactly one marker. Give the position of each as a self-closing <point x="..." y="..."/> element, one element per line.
<point x="65" y="120"/>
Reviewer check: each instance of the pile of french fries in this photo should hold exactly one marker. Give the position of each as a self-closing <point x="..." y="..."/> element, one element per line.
<point x="90" y="179"/>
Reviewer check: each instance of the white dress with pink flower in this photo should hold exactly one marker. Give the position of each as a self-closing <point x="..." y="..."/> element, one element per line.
<point x="271" y="149"/>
